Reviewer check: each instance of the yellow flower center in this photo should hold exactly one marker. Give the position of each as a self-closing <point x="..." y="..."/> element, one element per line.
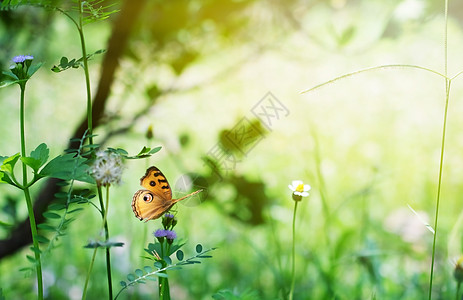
<point x="300" y="188"/>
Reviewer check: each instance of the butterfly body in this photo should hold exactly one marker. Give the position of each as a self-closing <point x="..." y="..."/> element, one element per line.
<point x="156" y="197"/>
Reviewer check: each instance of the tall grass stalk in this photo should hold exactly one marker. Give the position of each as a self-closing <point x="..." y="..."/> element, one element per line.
<point x="441" y="163"/>
<point x="293" y="254"/>
<point x="104" y="214"/>
<point x="104" y="210"/>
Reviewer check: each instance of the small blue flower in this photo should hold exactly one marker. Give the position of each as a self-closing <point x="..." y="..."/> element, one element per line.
<point x="169" y="221"/>
<point x="22" y="58"/>
<point x="170" y="216"/>
<point x="171" y="235"/>
<point x="160" y="233"/>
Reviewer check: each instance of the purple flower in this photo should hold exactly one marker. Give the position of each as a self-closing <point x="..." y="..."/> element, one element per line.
<point x="170" y="216"/>
<point x="171" y="235"/>
<point x="160" y="233"/>
<point x="22" y="58"/>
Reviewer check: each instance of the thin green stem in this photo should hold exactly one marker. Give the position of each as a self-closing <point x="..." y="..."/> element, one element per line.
<point x="439" y="187"/>
<point x="84" y="293"/>
<point x="103" y="210"/>
<point x="293" y="254"/>
<point x="27" y="195"/>
<point x="371" y="69"/>
<point x="107" y="250"/>
<point x="441" y="164"/>
<point x="80" y="28"/>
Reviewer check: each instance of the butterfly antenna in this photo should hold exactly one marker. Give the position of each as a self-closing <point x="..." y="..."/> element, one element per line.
<point x="189" y="195"/>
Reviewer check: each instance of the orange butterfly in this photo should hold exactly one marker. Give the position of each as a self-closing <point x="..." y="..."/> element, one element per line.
<point x="156" y="199"/>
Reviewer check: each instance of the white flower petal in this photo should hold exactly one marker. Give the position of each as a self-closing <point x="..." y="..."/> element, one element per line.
<point x="292" y="188"/>
<point x="306" y="187"/>
<point x="304" y="194"/>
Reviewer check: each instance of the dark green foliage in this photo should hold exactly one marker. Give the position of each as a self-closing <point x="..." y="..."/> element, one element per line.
<point x="229" y="295"/>
<point x="98" y="244"/>
<point x="144" y="153"/>
<point x="92" y="11"/>
<point x="38" y="157"/>
<point x="6" y="169"/>
<point x="12" y="4"/>
<point x="71" y="167"/>
<point x="140" y="276"/>
<point x="68" y="167"/>
<point x="9" y="78"/>
<point x="65" y="63"/>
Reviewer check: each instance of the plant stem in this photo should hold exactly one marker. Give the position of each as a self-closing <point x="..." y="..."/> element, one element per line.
<point x="444" y="127"/>
<point x="164" y="292"/>
<point x="108" y="255"/>
<point x="84" y="293"/>
<point x="439" y="187"/>
<point x="293" y="263"/>
<point x="103" y="211"/>
<point x="80" y="28"/>
<point x="27" y="195"/>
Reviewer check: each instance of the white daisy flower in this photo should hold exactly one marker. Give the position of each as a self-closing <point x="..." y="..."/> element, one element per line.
<point x="299" y="189"/>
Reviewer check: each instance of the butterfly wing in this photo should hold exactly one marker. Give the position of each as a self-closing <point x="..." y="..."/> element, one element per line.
<point x="147" y="205"/>
<point x="157" y="183"/>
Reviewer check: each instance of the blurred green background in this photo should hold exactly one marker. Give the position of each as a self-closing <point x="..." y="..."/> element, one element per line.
<point x="369" y="145"/>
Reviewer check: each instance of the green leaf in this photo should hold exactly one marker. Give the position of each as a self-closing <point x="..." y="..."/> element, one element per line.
<point x="179" y="255"/>
<point x="42" y="239"/>
<point x="8" y="79"/>
<point x="176" y="246"/>
<point x="31" y="259"/>
<point x="139" y="272"/>
<point x="68" y="167"/>
<point x="62" y="195"/>
<point x="5" y="225"/>
<point x="31" y="162"/>
<point x="130" y="277"/>
<point x="56" y="206"/>
<point x="64" y="61"/>
<point x="154" y="150"/>
<point x="33" y="68"/>
<point x="164" y="275"/>
<point x="144" y="153"/>
<point x="75" y="210"/>
<point x="38" y="157"/>
<point x="147" y="269"/>
<point x="51" y="215"/>
<point x="123" y="283"/>
<point x="9" y="163"/>
<point x="103" y="244"/>
<point x="158" y="265"/>
<point x="41" y="153"/>
<point x="5" y="178"/>
<point x="35" y="250"/>
<point x="45" y="226"/>
<point x="199" y="248"/>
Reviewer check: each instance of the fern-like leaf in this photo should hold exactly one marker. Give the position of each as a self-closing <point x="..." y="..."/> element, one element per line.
<point x="140" y="276"/>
